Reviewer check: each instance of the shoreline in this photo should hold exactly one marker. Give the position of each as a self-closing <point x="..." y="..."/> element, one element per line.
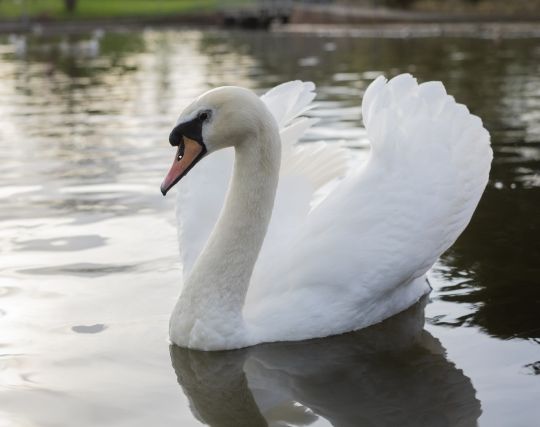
<point x="487" y="30"/>
<point x="348" y="14"/>
<point x="374" y="26"/>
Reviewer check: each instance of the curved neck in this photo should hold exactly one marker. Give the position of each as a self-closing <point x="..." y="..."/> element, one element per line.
<point x="213" y="295"/>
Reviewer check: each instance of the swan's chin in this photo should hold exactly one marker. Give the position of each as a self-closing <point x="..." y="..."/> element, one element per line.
<point x="187" y="155"/>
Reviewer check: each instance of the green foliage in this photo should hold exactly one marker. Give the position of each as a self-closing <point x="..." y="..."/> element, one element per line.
<point x="55" y="9"/>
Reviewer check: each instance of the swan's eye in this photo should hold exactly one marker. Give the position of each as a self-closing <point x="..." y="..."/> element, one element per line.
<point x="204" y="116"/>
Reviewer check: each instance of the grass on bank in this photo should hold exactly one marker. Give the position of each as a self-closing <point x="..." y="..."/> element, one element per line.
<point x="102" y="9"/>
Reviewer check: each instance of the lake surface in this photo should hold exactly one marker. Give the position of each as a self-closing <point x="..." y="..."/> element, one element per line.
<point x="89" y="265"/>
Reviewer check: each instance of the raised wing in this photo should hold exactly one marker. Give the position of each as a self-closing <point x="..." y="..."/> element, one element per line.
<point x="385" y="224"/>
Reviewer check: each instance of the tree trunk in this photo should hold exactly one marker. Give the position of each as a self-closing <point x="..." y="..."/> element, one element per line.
<point x="70" y="5"/>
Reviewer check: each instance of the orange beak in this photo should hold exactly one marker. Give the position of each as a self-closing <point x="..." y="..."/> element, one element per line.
<point x="183" y="162"/>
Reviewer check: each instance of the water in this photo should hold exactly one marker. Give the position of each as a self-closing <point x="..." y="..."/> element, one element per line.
<point x="90" y="271"/>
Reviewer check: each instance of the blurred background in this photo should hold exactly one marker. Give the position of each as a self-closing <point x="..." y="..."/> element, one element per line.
<point x="89" y="272"/>
<point x="265" y="12"/>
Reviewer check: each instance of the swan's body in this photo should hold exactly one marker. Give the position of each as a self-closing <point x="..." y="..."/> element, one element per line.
<point x="360" y="255"/>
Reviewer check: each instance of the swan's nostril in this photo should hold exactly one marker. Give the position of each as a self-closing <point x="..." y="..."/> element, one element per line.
<point x="181" y="147"/>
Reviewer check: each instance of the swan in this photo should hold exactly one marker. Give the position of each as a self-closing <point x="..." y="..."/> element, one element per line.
<point x="286" y="242"/>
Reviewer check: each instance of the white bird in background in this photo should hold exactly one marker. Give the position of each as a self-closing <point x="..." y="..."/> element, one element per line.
<point x="262" y="262"/>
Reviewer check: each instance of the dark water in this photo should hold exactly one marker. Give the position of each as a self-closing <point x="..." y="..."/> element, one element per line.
<point x="90" y="272"/>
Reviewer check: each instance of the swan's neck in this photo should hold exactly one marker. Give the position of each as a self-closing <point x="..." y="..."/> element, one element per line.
<point x="210" y="307"/>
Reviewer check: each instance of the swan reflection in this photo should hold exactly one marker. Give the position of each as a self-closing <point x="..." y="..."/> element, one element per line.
<point x="392" y="374"/>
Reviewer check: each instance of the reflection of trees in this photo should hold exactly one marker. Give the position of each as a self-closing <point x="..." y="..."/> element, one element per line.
<point x="65" y="95"/>
<point x="498" y="80"/>
<point x="68" y="80"/>
<point x="394" y="373"/>
<point x="76" y="55"/>
<point x="500" y="253"/>
<point x="70" y="76"/>
<point x="92" y="109"/>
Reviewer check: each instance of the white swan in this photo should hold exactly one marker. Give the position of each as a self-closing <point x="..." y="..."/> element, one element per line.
<point x="355" y="258"/>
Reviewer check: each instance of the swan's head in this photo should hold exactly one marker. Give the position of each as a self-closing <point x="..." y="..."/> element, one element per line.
<point x="222" y="117"/>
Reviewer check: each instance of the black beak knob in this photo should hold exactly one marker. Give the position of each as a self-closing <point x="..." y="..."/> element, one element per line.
<point x="176" y="136"/>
